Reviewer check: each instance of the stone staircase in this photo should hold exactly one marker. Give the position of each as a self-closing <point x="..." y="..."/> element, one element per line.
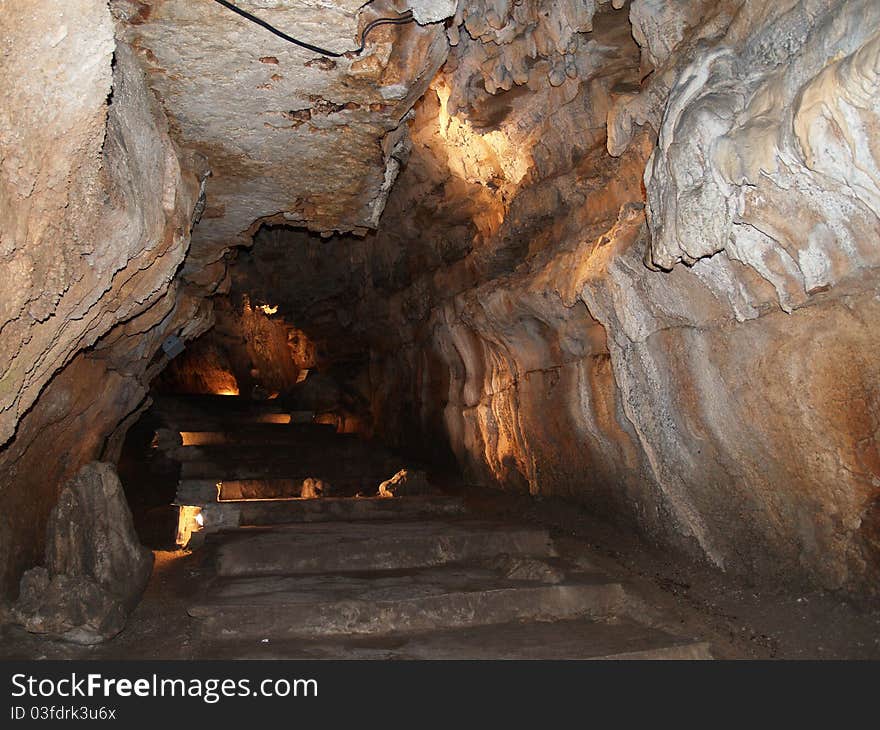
<point x="454" y="588"/>
<point x="362" y="577"/>
<point x="244" y="462"/>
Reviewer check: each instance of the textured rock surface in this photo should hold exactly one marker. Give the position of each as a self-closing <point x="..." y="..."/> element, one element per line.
<point x="82" y="183"/>
<point x="522" y="313"/>
<point x="405" y="482"/>
<point x="288" y="133"/>
<point x="249" y="351"/>
<point x="97" y="208"/>
<point x="94" y="569"/>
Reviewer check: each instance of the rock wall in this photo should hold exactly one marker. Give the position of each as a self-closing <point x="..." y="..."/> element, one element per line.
<point x="732" y="404"/>
<point x="250" y="351"/>
<point x="97" y="209"/>
<point x="650" y="285"/>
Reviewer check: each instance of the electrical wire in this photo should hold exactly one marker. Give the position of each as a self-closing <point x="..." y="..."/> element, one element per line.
<point x="401" y="19"/>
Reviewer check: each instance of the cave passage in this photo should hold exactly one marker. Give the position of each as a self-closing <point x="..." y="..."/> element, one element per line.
<point x="440" y="329"/>
<point x="262" y="409"/>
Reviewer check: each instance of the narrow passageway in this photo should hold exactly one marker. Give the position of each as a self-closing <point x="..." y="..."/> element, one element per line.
<point x="314" y="550"/>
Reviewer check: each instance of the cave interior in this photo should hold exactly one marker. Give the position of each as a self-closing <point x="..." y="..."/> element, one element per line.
<point x="544" y="327"/>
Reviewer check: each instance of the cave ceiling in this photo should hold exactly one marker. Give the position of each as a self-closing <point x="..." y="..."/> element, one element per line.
<point x="287" y="134"/>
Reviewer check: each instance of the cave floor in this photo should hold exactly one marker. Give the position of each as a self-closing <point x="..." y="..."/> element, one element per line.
<point x="673" y="608"/>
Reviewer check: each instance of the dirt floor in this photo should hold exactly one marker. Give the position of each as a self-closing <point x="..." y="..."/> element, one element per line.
<point x="740" y="620"/>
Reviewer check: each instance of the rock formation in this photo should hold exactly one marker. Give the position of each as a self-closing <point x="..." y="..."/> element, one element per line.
<point x="677" y="334"/>
<point x="107" y="161"/>
<point x="313" y="488"/>
<point x="94" y="570"/>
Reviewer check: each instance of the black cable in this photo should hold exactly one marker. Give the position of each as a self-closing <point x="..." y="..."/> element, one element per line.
<point x="401" y="19"/>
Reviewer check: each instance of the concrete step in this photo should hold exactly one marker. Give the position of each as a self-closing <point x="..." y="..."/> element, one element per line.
<point x="369" y="546"/>
<point x="612" y="638"/>
<point x="396" y="602"/>
<point x="330" y="509"/>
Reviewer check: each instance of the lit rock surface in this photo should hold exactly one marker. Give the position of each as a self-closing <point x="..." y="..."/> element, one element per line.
<point x="432" y="11"/>
<point x="94" y="224"/>
<point x="288" y="133"/>
<point x="794" y="196"/>
<point x="104" y="190"/>
<point x="101" y="190"/>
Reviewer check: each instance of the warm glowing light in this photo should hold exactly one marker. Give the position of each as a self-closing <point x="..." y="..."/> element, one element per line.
<point x="267" y="309"/>
<point x="189" y="520"/>
<point x="202" y="438"/>
<point x="443" y="93"/>
<point x="328" y="419"/>
<point x="476" y="157"/>
<point x="221" y="382"/>
<point x="282" y="418"/>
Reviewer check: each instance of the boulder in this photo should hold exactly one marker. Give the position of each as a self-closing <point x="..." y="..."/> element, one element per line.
<point x="95" y="569"/>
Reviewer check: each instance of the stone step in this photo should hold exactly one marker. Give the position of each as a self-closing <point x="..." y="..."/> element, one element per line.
<point x="397" y="602"/>
<point x="320" y="450"/>
<point x="286" y="489"/>
<point x="329" y="509"/>
<point x="222" y="404"/>
<point x="233" y="421"/>
<point x="293" y="434"/>
<point x="613" y="638"/>
<point x="369" y="546"/>
<point x="197" y="492"/>
<point x="361" y="470"/>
